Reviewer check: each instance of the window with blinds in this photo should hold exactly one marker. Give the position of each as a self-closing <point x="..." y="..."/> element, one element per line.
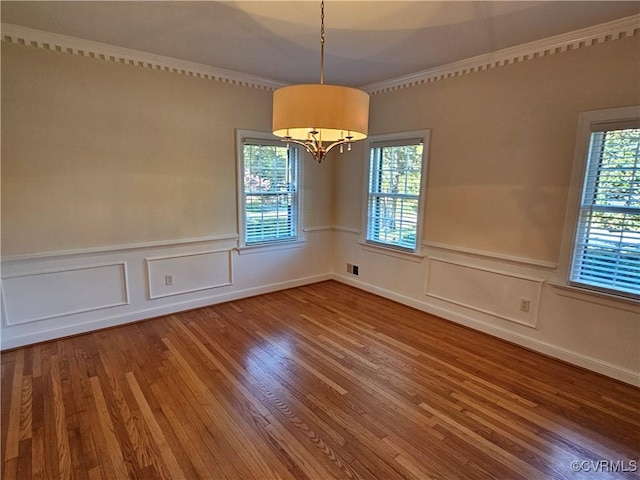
<point x="270" y="194"/>
<point x="394" y="194"/>
<point x="606" y="253"/>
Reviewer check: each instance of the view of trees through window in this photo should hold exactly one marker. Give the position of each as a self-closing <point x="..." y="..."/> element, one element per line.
<point x="618" y="182"/>
<point x="608" y="240"/>
<point x="270" y="189"/>
<point x="394" y="193"/>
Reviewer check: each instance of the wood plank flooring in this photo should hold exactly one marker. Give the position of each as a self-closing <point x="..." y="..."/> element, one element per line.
<point x="318" y="382"/>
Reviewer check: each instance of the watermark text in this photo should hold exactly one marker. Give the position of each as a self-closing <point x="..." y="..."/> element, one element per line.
<point x="599" y="466"/>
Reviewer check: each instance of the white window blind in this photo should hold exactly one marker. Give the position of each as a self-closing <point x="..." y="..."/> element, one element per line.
<point x="270" y="191"/>
<point x="606" y="252"/>
<point x="393" y="204"/>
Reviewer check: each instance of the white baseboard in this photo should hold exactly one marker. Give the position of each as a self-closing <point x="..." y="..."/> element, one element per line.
<point x="149" y="313"/>
<point x="605" y="368"/>
<point x="579" y="359"/>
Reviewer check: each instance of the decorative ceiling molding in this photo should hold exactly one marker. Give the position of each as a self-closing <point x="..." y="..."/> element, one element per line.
<point x="604" y="32"/>
<point x="103" y="51"/>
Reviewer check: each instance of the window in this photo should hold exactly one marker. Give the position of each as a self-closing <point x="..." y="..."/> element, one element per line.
<point x="397" y="165"/>
<point x="268" y="180"/>
<point x="606" y="248"/>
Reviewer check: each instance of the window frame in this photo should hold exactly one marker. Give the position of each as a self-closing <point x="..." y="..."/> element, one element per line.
<point x="588" y="123"/>
<point x="400" y="137"/>
<point x="296" y="240"/>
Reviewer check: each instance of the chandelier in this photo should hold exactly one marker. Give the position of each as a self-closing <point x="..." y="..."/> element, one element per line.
<point x="318" y="116"/>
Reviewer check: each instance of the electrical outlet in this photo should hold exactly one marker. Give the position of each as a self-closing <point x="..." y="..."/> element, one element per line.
<point x="168" y="280"/>
<point x="525" y="304"/>
<point x="349" y="268"/>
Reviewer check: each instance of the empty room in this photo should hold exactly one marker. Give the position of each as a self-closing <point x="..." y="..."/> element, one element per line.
<point x="315" y="240"/>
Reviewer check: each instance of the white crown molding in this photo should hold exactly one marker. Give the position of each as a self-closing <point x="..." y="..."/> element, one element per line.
<point x="604" y="32"/>
<point x="102" y="51"/>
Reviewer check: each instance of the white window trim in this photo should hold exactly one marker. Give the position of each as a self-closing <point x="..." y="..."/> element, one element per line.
<point x="271" y="247"/>
<point x="586" y="122"/>
<point x="380" y="247"/>
<point x="275" y="244"/>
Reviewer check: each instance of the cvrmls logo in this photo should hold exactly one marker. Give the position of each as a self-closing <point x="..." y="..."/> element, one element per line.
<point x="620" y="466"/>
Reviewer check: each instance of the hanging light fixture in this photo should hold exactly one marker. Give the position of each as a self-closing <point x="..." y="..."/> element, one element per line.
<point x="320" y="117"/>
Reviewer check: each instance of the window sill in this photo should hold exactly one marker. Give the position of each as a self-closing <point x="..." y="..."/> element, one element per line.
<point x="594" y="296"/>
<point x="392" y="252"/>
<point x="270" y="247"/>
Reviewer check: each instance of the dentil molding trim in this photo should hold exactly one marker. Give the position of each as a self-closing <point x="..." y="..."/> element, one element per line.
<point x="604" y="32"/>
<point x="103" y="51"/>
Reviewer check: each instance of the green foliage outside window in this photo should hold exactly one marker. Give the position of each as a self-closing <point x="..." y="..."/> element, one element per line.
<point x="270" y="191"/>
<point x="607" y="249"/>
<point x="618" y="184"/>
<point x="394" y="194"/>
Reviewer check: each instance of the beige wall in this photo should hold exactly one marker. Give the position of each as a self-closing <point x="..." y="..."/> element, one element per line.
<point x="142" y="162"/>
<point x="501" y="153"/>
<point x="502" y="144"/>
<point x="96" y="153"/>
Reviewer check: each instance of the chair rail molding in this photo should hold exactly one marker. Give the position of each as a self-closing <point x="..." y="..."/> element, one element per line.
<point x="49" y="295"/>
<point x="230" y="238"/>
<point x="511" y="259"/>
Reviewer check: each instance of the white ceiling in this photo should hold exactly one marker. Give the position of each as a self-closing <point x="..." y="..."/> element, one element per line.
<point x="366" y="41"/>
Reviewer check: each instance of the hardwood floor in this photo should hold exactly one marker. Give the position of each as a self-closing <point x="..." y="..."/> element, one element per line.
<point x="318" y="382"/>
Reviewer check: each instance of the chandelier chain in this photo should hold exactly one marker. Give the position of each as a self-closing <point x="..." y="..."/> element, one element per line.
<point x="331" y="116"/>
<point x="322" y="42"/>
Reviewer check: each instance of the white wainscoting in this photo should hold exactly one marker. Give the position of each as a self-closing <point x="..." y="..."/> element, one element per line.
<point x="56" y="294"/>
<point x="52" y="295"/>
<point x="488" y="291"/>
<point x="483" y="291"/>
<point x="65" y="291"/>
<point x="189" y="272"/>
